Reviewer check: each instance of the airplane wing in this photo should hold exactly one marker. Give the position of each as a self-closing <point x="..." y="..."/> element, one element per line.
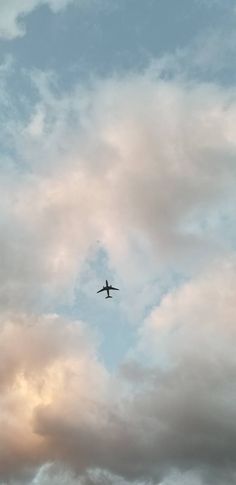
<point x="112" y="288"/>
<point x="103" y="289"/>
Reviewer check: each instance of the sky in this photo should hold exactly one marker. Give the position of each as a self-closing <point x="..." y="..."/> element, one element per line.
<point x="118" y="162"/>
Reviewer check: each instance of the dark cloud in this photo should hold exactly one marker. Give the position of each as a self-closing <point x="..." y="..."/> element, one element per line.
<point x="182" y="418"/>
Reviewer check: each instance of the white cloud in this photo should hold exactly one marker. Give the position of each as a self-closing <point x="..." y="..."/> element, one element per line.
<point x="12" y="13"/>
<point x="51" y="474"/>
<point x="143" y="165"/>
<point x="147" y="167"/>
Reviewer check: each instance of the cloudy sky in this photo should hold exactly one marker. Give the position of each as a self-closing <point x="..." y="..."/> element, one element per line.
<point x="118" y="162"/>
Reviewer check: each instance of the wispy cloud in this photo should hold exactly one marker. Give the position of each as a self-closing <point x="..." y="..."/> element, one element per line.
<point x="13" y="13"/>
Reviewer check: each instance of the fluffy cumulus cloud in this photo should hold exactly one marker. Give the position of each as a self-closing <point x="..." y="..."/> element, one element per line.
<point x="12" y="13"/>
<point x="44" y="361"/>
<point x="180" y="413"/>
<point x="143" y="165"/>
<point x="169" y="423"/>
<point x="147" y="167"/>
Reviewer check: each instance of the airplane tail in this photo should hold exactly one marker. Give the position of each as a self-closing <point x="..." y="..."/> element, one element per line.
<point x="108" y="297"/>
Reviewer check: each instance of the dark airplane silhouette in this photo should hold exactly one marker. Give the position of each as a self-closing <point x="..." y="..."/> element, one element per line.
<point x="107" y="288"/>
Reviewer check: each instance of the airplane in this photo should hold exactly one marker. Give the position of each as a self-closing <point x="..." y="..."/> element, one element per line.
<point x="107" y="288"/>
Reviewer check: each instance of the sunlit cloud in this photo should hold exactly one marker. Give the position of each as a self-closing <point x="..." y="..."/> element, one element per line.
<point x="141" y="168"/>
<point x="142" y="423"/>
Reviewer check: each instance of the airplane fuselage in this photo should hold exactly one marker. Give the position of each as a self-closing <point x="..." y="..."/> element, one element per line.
<point x="107" y="288"/>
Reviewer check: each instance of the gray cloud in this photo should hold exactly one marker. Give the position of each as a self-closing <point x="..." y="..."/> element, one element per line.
<point x="147" y="166"/>
<point x="180" y="417"/>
